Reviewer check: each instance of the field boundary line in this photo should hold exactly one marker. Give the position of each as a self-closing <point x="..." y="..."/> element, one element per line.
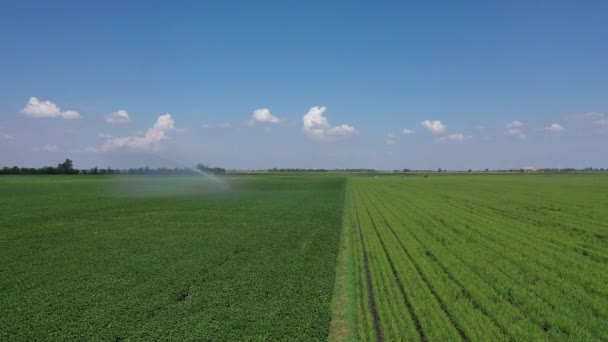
<point x="370" y="290"/>
<point x="343" y="322"/>
<point x="404" y="295"/>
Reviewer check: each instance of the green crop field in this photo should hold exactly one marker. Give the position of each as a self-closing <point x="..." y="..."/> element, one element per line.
<point x="480" y="257"/>
<point x="304" y="257"/>
<point x="167" y="258"/>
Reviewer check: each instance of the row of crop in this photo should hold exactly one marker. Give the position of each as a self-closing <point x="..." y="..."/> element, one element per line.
<point x="550" y="292"/>
<point x="468" y="241"/>
<point x="459" y="311"/>
<point x="564" y="230"/>
<point x="571" y="217"/>
<point x="509" y="230"/>
<point x="567" y="259"/>
<point x="397" y="324"/>
<point x="478" y="281"/>
<point x="571" y="263"/>
<point x="477" y="309"/>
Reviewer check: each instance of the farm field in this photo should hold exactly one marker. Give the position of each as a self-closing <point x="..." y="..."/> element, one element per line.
<point x="167" y="258"/>
<point x="304" y="257"/>
<point x="492" y="258"/>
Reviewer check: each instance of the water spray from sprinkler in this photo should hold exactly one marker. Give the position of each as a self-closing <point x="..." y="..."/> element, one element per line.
<point x="210" y="176"/>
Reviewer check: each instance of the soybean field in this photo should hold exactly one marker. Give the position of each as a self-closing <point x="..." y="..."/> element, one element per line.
<point x="167" y="258"/>
<point x="476" y="258"/>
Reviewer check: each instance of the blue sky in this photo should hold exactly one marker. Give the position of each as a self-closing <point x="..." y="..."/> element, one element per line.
<point x="511" y="84"/>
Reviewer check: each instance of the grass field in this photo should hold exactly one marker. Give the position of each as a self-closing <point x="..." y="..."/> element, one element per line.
<point x="480" y="257"/>
<point x="304" y="257"/>
<point x="167" y="258"/>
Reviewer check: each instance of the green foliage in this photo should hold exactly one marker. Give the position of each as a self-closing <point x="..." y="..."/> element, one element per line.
<point x="482" y="258"/>
<point x="212" y="170"/>
<point x="250" y="260"/>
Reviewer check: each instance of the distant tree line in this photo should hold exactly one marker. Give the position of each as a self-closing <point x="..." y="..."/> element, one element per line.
<point x="212" y="170"/>
<point x="319" y="170"/>
<point x="67" y="168"/>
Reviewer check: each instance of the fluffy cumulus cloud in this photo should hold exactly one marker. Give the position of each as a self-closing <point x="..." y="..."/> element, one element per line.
<point x="47" y="109"/>
<point x="263" y="116"/>
<point x="435" y="127"/>
<point x="406" y="131"/>
<point x="120" y="116"/>
<point x="455" y="137"/>
<point x="390" y="139"/>
<point x="317" y="127"/>
<point x="150" y="141"/>
<point x="554" y="128"/>
<point x="515" y="129"/>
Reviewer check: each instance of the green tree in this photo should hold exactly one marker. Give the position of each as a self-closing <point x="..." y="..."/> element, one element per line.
<point x="67" y="167"/>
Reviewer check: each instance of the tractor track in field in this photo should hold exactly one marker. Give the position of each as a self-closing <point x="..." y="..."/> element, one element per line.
<point x="406" y="301"/>
<point x="423" y="277"/>
<point x="370" y="290"/>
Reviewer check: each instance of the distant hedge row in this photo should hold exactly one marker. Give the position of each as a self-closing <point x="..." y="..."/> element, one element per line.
<point x="67" y="168"/>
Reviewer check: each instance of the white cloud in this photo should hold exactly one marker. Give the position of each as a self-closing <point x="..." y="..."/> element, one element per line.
<point x="455" y="137"/>
<point x="342" y="130"/>
<point x="317" y="127"/>
<point x="515" y="128"/>
<point x="435" y="127"/>
<point x="104" y="135"/>
<point x="40" y="109"/>
<point x="407" y="131"/>
<point x="602" y="122"/>
<point x="515" y="124"/>
<point x="516" y="133"/>
<point x="263" y="115"/>
<point x="589" y="116"/>
<point x="555" y="128"/>
<point x="46" y="148"/>
<point x="390" y="139"/>
<point x="120" y="116"/>
<point x="6" y="136"/>
<point x="150" y="141"/>
<point x="47" y="109"/>
<point x="70" y="115"/>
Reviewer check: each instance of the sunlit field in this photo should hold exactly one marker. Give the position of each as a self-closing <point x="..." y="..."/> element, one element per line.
<point x="175" y="258"/>
<point x="304" y="257"/>
<point x="517" y="257"/>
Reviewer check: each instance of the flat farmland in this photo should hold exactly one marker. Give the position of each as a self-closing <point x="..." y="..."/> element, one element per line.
<point x="167" y="258"/>
<point x="445" y="258"/>
<point x="342" y="257"/>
